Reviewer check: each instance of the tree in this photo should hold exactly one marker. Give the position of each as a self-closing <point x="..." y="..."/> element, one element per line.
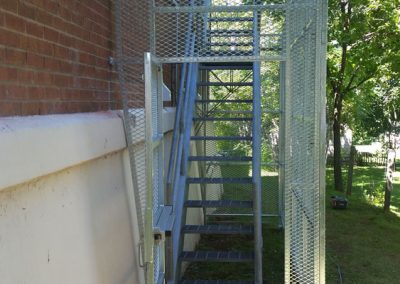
<point x="378" y="116"/>
<point x="363" y="37"/>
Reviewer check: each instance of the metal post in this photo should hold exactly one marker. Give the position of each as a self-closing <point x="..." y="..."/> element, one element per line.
<point x="281" y="163"/>
<point x="256" y="167"/>
<point x="148" y="232"/>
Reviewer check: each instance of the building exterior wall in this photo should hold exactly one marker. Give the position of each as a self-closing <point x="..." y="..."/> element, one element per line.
<point x="66" y="208"/>
<point x="65" y="212"/>
<point x="54" y="56"/>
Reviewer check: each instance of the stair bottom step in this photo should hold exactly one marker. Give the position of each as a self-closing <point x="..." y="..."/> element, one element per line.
<point x="219" y="203"/>
<point x="224" y="229"/>
<point x="216" y="282"/>
<point x="217" y="256"/>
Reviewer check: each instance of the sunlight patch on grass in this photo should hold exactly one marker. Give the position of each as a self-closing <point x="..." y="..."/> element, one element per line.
<point x="363" y="239"/>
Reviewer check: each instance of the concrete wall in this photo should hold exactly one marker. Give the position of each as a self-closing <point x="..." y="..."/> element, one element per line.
<point x="65" y="211"/>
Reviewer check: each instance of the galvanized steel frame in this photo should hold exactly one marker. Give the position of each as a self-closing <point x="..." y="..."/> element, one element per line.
<point x="319" y="26"/>
<point x="154" y="240"/>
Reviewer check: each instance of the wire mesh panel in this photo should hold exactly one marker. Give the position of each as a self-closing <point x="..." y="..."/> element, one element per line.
<point x="140" y="84"/>
<point x="130" y="67"/>
<point x="271" y="110"/>
<point x="224" y="30"/>
<point x="288" y="34"/>
<point x="303" y="138"/>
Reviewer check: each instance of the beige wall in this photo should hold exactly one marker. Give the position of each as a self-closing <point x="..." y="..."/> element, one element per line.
<point x="72" y="226"/>
<point x="66" y="208"/>
<point x="67" y="213"/>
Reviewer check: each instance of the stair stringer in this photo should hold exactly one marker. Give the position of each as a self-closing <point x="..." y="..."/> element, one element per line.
<point x="180" y="187"/>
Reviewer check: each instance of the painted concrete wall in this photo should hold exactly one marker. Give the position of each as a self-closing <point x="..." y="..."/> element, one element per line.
<point x="66" y="212"/>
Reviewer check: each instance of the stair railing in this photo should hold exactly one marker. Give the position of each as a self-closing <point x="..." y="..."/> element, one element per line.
<point x="178" y="164"/>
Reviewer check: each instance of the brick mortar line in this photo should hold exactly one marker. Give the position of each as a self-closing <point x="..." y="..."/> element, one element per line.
<point x="28" y="68"/>
<point x="54" y="43"/>
<point x="59" y="31"/>
<point x="27" y="85"/>
<point x="31" y="5"/>
<point x="23" y="101"/>
<point x="97" y="67"/>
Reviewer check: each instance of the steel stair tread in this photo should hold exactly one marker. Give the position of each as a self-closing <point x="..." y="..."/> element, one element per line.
<point x="236" y="44"/>
<point x="220" y="158"/>
<point x="230" y="63"/>
<point x="228" y="52"/>
<point x="227" y="67"/>
<point x="222" y="119"/>
<point x="221" y="138"/>
<point x="231" y="19"/>
<point x="217" y="256"/>
<point x="216" y="282"/>
<point x="219" y="204"/>
<point x="224" y="84"/>
<point x="241" y="180"/>
<point x="225" y="101"/>
<point x="223" y="229"/>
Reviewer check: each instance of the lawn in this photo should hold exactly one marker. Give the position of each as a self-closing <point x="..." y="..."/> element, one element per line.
<point x="362" y="242"/>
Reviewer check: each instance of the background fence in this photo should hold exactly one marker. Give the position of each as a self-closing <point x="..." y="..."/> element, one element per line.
<point x="362" y="159"/>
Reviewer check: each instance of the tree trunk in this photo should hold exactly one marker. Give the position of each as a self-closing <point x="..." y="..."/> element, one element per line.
<point x="391" y="159"/>
<point x="350" y="172"/>
<point x="337" y="147"/>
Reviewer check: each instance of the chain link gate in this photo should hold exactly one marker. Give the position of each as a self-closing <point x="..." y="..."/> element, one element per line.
<point x="293" y="37"/>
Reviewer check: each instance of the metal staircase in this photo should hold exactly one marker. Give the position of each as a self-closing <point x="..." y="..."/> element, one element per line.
<point x="204" y="38"/>
<point x="201" y="111"/>
<point x="199" y="106"/>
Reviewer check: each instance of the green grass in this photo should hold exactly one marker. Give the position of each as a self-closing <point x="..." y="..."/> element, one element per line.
<point x="273" y="258"/>
<point x="362" y="240"/>
<point x="273" y="237"/>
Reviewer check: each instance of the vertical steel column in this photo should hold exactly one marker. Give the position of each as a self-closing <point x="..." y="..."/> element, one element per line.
<point x="281" y="153"/>
<point x="321" y="51"/>
<point x="256" y="166"/>
<point x="148" y="228"/>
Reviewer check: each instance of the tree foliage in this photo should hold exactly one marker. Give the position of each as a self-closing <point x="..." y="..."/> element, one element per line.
<point x="363" y="44"/>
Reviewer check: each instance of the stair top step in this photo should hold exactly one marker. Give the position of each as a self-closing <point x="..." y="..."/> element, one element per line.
<point x="229" y="63"/>
<point x="240" y="180"/>
<point x="226" y="67"/>
<point x="223" y="229"/>
<point x="230" y="33"/>
<point x="222" y="118"/>
<point x="225" y="101"/>
<point x="220" y="158"/>
<point x="231" y="19"/>
<point x="217" y="256"/>
<point x="228" y="52"/>
<point x="216" y="282"/>
<point x="235" y="138"/>
<point x="218" y="204"/>
<point x="231" y="44"/>
<point x="224" y="84"/>
<point x="243" y="35"/>
<point x="241" y="111"/>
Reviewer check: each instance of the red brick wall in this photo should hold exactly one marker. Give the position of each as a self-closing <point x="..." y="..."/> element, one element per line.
<point x="54" y="56"/>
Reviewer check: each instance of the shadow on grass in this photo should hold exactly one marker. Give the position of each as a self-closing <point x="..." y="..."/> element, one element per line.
<point x="273" y="237"/>
<point x="363" y="240"/>
<point x="273" y="258"/>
